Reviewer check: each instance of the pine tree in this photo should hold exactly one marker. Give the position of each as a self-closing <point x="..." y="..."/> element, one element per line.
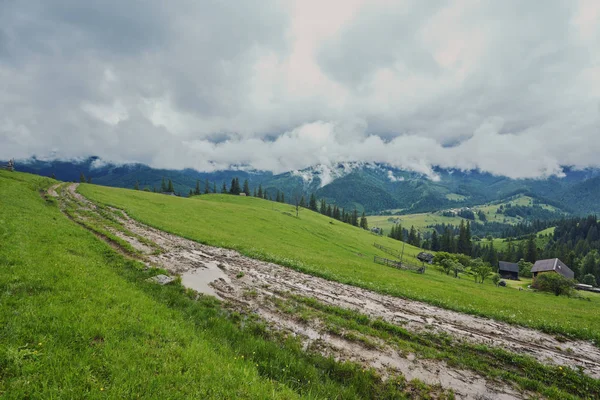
<point x="255" y="193"/>
<point x="462" y="238"/>
<point x="260" y="191"/>
<point x="282" y="197"/>
<point x="336" y="213"/>
<point x="313" y="203"/>
<point x="435" y="241"/>
<point x="206" y="187"/>
<point x="278" y="197"/>
<point x="136" y="186"/>
<point x="238" y="188"/>
<point x="303" y="202"/>
<point x="363" y="221"/>
<point x="531" y="250"/>
<point x="214" y="187"/>
<point x="329" y="211"/>
<point x="163" y="185"/>
<point x="246" y="187"/>
<point x="197" y="190"/>
<point x="412" y="236"/>
<point x="89" y="179"/>
<point x="224" y="188"/>
<point x="232" y="186"/>
<point x="354" y="220"/>
<point x="81" y="177"/>
<point x="171" y="189"/>
<point x="323" y="207"/>
<point x="191" y="193"/>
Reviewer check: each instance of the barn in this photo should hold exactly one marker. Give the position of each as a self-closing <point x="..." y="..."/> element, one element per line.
<point x="552" y="265"/>
<point x="508" y="270"/>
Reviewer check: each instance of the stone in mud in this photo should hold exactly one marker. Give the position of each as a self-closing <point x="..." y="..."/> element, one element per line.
<point x="162" y="279"/>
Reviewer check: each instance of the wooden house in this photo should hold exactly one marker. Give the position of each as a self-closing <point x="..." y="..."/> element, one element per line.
<point x="552" y="265"/>
<point x="508" y="270"/>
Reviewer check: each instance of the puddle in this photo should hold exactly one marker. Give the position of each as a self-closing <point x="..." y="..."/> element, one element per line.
<point x="200" y="279"/>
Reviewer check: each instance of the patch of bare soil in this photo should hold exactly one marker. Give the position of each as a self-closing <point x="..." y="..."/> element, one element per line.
<point x="252" y="285"/>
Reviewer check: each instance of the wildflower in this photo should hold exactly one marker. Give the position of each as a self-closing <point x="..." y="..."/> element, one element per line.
<point x="102" y="389"/>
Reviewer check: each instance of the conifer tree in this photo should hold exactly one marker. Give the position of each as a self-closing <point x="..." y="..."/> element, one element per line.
<point x="282" y="197"/>
<point x="278" y="197"/>
<point x="329" y="211"/>
<point x="81" y="178"/>
<point x="224" y="188"/>
<point x="302" y="202"/>
<point x="232" y="186"/>
<point x="435" y="241"/>
<point x="363" y="221"/>
<point x="214" y="187"/>
<point x="136" y="186"/>
<point x="313" y="203"/>
<point x="53" y="176"/>
<point x="206" y="187"/>
<point x="171" y="189"/>
<point x="197" y="190"/>
<point x="255" y="193"/>
<point x="163" y="185"/>
<point x="260" y="191"/>
<point x="191" y="193"/>
<point x="89" y="179"/>
<point x="323" y="207"/>
<point x="354" y="220"/>
<point x="336" y="213"/>
<point x="246" y="187"/>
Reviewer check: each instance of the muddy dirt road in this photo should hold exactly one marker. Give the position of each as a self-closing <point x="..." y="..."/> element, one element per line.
<point x="254" y="286"/>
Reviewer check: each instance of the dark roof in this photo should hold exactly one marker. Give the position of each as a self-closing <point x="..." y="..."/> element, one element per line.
<point x="508" y="266"/>
<point x="553" y="264"/>
<point x="423" y="256"/>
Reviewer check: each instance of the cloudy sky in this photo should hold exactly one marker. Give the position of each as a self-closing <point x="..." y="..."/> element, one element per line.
<point x="509" y="87"/>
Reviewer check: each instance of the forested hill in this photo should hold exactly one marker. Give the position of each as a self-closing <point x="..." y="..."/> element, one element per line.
<point x="373" y="188"/>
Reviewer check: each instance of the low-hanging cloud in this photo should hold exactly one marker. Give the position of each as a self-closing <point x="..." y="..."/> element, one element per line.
<point x="512" y="88"/>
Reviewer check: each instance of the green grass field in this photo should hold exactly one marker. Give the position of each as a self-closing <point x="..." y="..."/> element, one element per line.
<point x="320" y="246"/>
<point x="422" y="220"/>
<point x="77" y="320"/>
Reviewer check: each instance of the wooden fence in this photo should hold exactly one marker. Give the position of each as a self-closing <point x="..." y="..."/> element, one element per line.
<point x="397" y="264"/>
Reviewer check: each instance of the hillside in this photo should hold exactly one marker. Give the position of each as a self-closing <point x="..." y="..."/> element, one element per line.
<point x="516" y="209"/>
<point x="130" y="337"/>
<point x="336" y="251"/>
<point x="374" y="188"/>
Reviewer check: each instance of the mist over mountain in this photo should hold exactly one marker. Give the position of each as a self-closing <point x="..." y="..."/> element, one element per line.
<point x="372" y="187"/>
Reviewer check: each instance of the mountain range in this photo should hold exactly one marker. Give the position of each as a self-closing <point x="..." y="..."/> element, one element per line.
<point x="372" y="187"/>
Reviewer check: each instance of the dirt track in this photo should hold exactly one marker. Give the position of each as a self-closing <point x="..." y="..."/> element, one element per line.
<point x="231" y="276"/>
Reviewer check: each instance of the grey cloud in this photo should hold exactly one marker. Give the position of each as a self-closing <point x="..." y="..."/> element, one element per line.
<point x="512" y="88"/>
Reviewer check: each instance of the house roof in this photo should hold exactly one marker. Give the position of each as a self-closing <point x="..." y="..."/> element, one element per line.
<point x="508" y="266"/>
<point x="553" y="264"/>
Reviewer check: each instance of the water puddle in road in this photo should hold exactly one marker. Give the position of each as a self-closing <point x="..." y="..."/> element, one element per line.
<point x="200" y="279"/>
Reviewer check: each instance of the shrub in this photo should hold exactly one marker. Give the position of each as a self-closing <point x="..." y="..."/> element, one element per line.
<point x="554" y="283"/>
<point x="525" y="268"/>
<point x="589" y="279"/>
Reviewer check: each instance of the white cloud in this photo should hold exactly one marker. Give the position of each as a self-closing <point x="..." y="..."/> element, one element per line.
<point x="512" y="88"/>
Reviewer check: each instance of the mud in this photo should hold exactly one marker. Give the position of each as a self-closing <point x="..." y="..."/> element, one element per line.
<point x="252" y="285"/>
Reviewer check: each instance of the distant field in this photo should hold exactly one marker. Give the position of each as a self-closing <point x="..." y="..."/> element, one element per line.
<point x="321" y="246"/>
<point x="423" y="220"/>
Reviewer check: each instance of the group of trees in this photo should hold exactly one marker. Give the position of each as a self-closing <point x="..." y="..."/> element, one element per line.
<point x="82" y="178"/>
<point x="412" y="236"/>
<point x="333" y="211"/>
<point x="461" y="263"/>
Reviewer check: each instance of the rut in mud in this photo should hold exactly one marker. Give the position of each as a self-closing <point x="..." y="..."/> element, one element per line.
<point x="262" y="288"/>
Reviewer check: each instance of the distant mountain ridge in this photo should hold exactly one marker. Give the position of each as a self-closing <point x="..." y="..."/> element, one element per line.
<point x="372" y="187"/>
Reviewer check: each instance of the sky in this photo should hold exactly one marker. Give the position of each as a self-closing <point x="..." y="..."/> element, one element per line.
<point x="508" y="87"/>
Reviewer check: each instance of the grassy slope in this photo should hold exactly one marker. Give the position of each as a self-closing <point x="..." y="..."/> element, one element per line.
<point x="79" y="321"/>
<point x="338" y="251"/>
<point x="71" y="326"/>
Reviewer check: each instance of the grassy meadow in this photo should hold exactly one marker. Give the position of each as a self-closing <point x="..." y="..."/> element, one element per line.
<point x="324" y="247"/>
<point x="422" y="220"/>
<point x="77" y="320"/>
